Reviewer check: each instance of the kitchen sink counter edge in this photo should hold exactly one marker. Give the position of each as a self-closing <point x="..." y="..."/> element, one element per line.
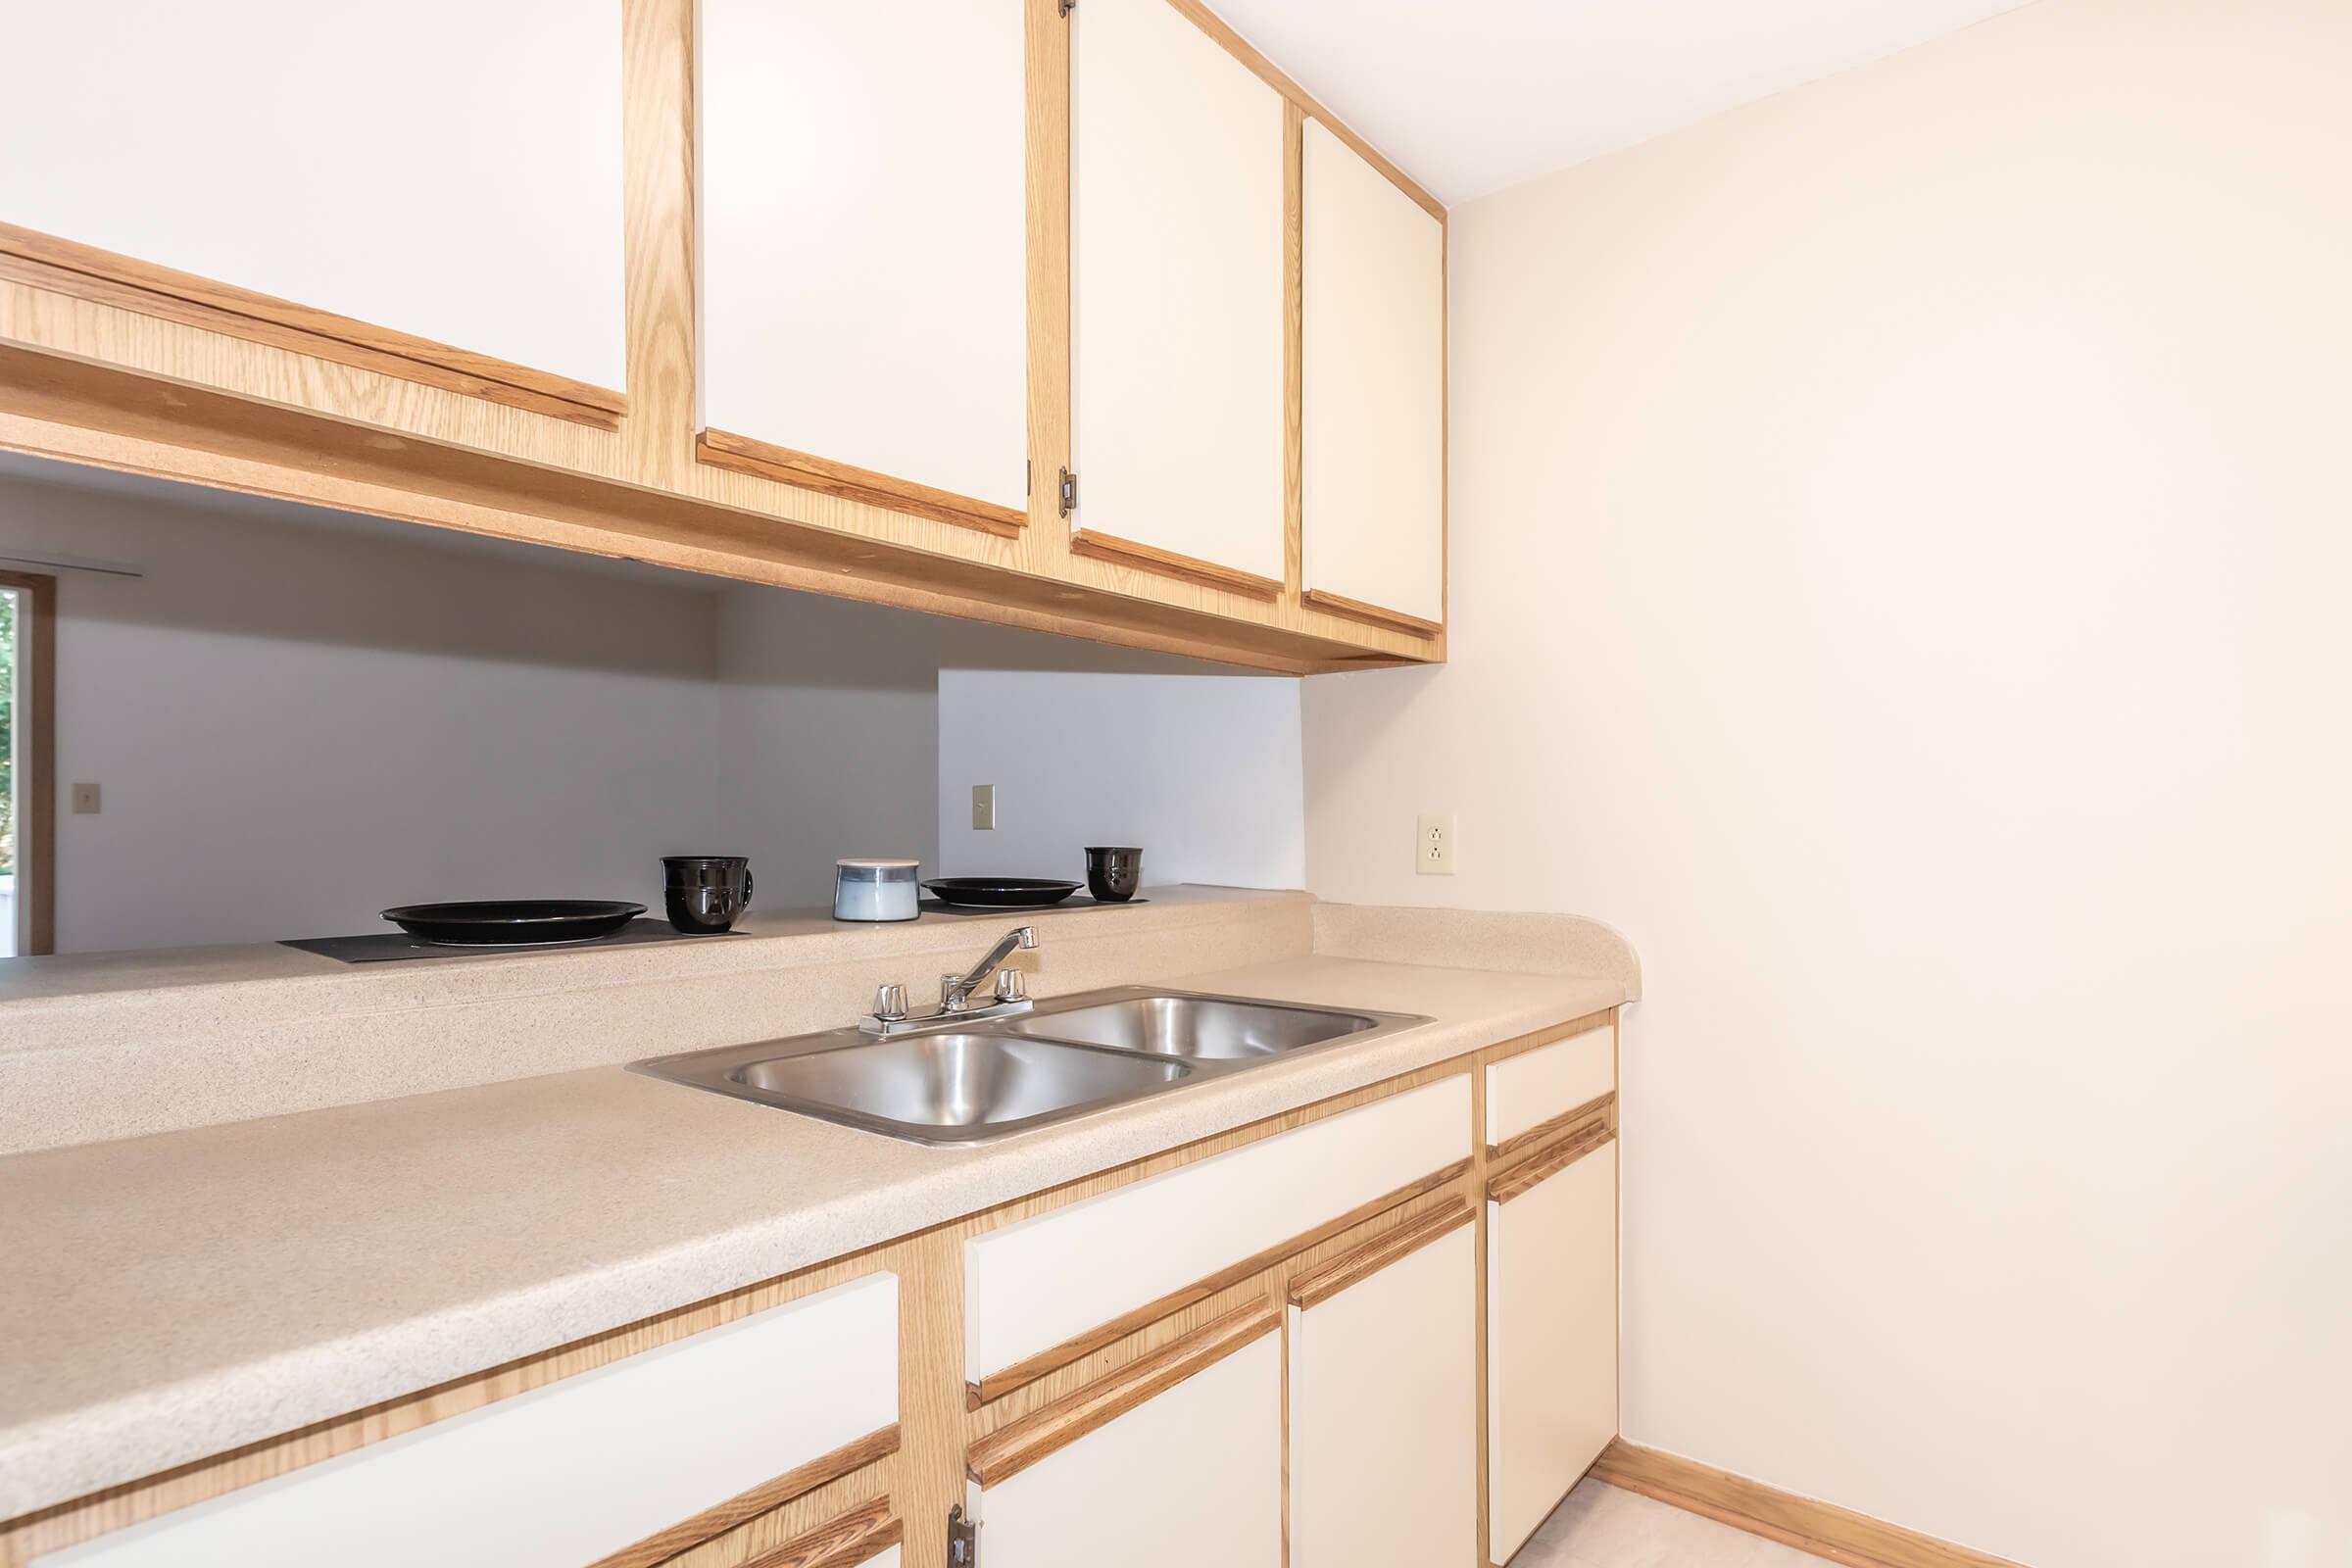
<point x="177" y="1296"/>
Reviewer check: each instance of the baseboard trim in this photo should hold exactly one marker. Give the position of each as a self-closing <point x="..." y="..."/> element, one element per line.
<point x="1823" y="1529"/>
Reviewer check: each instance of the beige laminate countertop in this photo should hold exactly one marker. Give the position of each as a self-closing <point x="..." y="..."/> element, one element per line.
<point x="168" y="1298"/>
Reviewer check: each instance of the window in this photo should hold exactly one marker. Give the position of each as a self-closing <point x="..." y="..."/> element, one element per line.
<point x="28" y="789"/>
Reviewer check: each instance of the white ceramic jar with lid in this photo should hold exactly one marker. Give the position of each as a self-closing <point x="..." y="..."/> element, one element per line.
<point x="874" y="890"/>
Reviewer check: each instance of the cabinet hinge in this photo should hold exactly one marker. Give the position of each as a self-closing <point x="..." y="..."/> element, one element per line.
<point x="1068" y="5"/>
<point x="1069" y="492"/>
<point x="963" y="1540"/>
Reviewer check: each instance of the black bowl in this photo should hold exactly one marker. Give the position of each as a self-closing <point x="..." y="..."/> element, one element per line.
<point x="513" y="922"/>
<point x="1000" y="891"/>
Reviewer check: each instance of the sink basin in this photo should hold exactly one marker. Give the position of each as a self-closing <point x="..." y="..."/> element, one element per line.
<point x="948" y="1087"/>
<point x="972" y="1080"/>
<point x="1180" y="1024"/>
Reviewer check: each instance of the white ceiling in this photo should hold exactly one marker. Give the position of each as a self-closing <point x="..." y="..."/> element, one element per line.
<point x="1468" y="96"/>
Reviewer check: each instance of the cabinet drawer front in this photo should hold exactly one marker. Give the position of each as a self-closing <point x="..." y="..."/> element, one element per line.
<point x="567" y="1474"/>
<point x="1383" y="1383"/>
<point x="1535" y="1085"/>
<point x="1551" y="1343"/>
<point x="1190" y="1477"/>
<point x="1035" y="1284"/>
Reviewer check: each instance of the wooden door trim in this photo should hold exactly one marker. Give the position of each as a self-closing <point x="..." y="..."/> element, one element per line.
<point x="859" y="1535"/>
<point x="1346" y="609"/>
<point x="1823" y="1529"/>
<point x="88" y="272"/>
<point x="764" y="459"/>
<point x="718" y="1518"/>
<point x="1018" y="1444"/>
<point x="1578" y="1120"/>
<point x="1552" y="1036"/>
<point x="36" y="831"/>
<point x="996" y="1385"/>
<point x="1353" y="1267"/>
<point x="1530" y="1174"/>
<point x="1266" y="71"/>
<point x="1170" y="564"/>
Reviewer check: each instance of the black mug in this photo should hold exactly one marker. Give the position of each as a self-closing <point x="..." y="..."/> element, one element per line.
<point x="1113" y="871"/>
<point x="705" y="892"/>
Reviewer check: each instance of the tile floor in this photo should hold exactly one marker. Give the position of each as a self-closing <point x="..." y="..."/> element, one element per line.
<point x="1601" y="1526"/>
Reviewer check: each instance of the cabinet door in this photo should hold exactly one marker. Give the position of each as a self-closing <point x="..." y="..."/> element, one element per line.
<point x="1552" y="1337"/>
<point x="864" y="312"/>
<point x="1372" y="363"/>
<point x="574" y="1471"/>
<point x="1176" y="258"/>
<point x="445" y="169"/>
<point x="1384" y="1411"/>
<point x="1189" y="1476"/>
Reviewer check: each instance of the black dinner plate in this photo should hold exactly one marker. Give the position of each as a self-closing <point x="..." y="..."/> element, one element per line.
<point x="1000" y="891"/>
<point x="513" y="922"/>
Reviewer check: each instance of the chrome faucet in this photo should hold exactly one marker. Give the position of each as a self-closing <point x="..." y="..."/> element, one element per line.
<point x="889" y="1016"/>
<point x="956" y="990"/>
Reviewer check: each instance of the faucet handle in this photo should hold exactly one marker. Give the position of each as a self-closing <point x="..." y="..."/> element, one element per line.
<point x="890" y="1004"/>
<point x="1011" y="987"/>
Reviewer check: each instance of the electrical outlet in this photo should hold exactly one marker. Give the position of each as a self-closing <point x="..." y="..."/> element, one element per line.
<point x="984" y="808"/>
<point x="1434" y="836"/>
<point x="85" y="800"/>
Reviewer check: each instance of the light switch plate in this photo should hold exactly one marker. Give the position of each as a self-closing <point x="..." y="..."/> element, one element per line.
<point x="1433" y="843"/>
<point x="85" y="800"/>
<point x="984" y="807"/>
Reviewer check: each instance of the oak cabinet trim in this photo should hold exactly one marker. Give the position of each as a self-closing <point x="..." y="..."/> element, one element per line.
<point x="797" y="1482"/>
<point x="764" y="459"/>
<point x="88" y="272"/>
<point x="1346" y="609"/>
<point x="1015" y="1447"/>
<point x="1575" y="1121"/>
<point x="1234" y="44"/>
<point x="1020" y="1374"/>
<point x="1360" y="1263"/>
<point x="1525" y="1178"/>
<point x="859" y="1535"/>
<point x="1171" y="564"/>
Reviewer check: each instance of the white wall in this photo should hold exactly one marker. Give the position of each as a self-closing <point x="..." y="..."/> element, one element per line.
<point x="1200" y="773"/>
<point x="298" y="719"/>
<point x="295" y="725"/>
<point x="1899" y="554"/>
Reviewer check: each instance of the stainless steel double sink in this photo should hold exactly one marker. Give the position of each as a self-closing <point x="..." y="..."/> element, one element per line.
<point x="959" y="1082"/>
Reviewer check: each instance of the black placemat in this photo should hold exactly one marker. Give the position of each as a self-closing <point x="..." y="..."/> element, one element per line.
<point x="392" y="947"/>
<point x="1079" y="901"/>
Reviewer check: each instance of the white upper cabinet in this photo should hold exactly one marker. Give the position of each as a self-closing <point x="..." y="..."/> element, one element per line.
<point x="1373" y="365"/>
<point x="448" y="170"/>
<point x="863" y="293"/>
<point x="1176" y="256"/>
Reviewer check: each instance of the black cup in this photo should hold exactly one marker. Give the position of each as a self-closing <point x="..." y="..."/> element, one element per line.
<point x="1113" y="873"/>
<point x="705" y="892"/>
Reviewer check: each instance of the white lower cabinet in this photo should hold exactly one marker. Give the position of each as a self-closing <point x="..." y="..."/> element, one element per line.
<point x="1192" y="1476"/>
<point x="1384" y="1415"/>
<point x="1551" y="1341"/>
<point x="569" y="1473"/>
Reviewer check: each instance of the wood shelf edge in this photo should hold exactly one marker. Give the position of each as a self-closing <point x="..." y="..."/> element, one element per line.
<point x="721" y="1517"/>
<point x="1346" y="609"/>
<point x="763" y="459"/>
<point x="1020" y="1374"/>
<point x="1018" y="1444"/>
<point x="88" y="272"/>
<point x="1360" y="1263"/>
<point x="1168" y="563"/>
